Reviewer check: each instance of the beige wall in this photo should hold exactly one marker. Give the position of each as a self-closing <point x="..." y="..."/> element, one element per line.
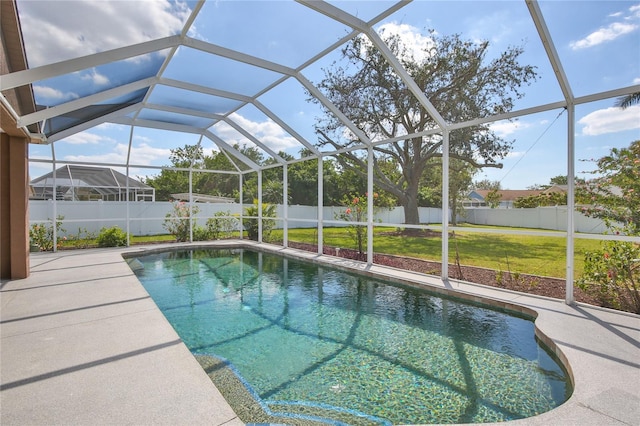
<point x="14" y="207"/>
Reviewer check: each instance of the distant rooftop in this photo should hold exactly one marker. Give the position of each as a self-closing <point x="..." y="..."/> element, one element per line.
<point x="76" y="183"/>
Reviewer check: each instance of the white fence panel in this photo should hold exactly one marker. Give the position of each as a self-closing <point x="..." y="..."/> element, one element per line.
<point x="551" y="218"/>
<point x="147" y="218"/>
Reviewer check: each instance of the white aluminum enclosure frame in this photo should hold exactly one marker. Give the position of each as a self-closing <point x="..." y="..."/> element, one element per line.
<point x="129" y="115"/>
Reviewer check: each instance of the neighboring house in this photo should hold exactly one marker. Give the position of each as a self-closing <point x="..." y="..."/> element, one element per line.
<point x="83" y="183"/>
<point x="477" y="198"/>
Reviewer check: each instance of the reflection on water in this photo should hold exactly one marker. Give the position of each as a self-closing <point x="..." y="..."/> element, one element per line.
<point x="305" y="336"/>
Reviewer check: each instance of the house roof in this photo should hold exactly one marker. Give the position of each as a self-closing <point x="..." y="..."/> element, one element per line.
<point x="88" y="177"/>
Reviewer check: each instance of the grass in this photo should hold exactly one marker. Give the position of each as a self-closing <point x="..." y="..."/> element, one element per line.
<point x="538" y="255"/>
<point x="146" y="239"/>
<point x="528" y="254"/>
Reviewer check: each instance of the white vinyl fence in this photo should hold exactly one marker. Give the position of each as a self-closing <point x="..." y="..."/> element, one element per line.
<point x="147" y="218"/>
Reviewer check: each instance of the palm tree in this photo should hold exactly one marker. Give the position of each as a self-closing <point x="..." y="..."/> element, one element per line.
<point x="628" y="100"/>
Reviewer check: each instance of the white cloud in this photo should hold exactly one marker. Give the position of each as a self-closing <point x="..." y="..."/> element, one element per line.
<point x="59" y="30"/>
<point x="411" y="37"/>
<point x="602" y="35"/>
<point x="142" y="154"/>
<point x="267" y="132"/>
<point x="612" y="31"/>
<point x="506" y="128"/>
<point x="96" y="78"/>
<point x="610" y="120"/>
<point x="51" y="94"/>
<point x="515" y="154"/>
<point x="86" y="138"/>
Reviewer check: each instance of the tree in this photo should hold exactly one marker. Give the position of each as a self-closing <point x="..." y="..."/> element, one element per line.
<point x="559" y="180"/>
<point x="625" y="102"/>
<point x="175" y="181"/>
<point x="456" y="77"/>
<point x="541" y="200"/>
<point x="460" y="180"/>
<point x="493" y="198"/>
<point x="614" y="196"/>
<point x="612" y="272"/>
<point x="488" y="185"/>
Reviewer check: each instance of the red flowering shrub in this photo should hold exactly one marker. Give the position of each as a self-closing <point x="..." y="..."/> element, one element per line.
<point x="612" y="273"/>
<point x="356" y="213"/>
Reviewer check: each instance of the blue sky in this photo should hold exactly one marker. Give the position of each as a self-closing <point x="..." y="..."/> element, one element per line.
<point x="597" y="41"/>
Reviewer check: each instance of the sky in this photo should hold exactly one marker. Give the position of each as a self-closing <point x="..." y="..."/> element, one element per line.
<point x="598" y="43"/>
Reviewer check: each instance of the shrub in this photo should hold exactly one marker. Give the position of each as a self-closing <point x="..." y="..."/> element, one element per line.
<point x="177" y="221"/>
<point x="612" y="274"/>
<point x="200" y="233"/>
<point x="42" y="234"/>
<point x="112" y="237"/>
<point x="83" y="239"/>
<point x="251" y="224"/>
<point x="221" y="225"/>
<point x="356" y="211"/>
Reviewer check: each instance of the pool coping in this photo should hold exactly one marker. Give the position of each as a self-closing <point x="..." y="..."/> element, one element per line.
<point x="598" y="346"/>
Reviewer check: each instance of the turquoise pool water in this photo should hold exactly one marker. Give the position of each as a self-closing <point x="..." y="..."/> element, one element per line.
<point x="309" y="340"/>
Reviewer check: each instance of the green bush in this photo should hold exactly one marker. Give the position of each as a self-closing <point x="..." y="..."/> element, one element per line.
<point x="612" y="274"/>
<point x="41" y="235"/>
<point x="221" y="225"/>
<point x="200" y="233"/>
<point x="112" y="237"/>
<point x="251" y="224"/>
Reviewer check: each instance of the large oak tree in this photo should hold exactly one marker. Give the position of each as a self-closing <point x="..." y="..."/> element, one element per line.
<point x="457" y="78"/>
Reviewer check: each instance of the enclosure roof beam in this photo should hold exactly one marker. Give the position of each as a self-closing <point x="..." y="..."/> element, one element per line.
<point x="185" y="111"/>
<point x="228" y="148"/>
<point x="76" y="104"/>
<point x="253" y="139"/>
<point x="331" y="107"/>
<point x="237" y="56"/>
<point x="203" y="89"/>
<point x="28" y="76"/>
<point x="406" y="78"/>
<point x="358" y="24"/>
<point x="285" y="126"/>
<point x="92" y="123"/>
<point x="549" y="47"/>
<point x="167" y="60"/>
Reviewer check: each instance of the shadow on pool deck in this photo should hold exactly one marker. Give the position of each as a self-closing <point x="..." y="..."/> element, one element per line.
<point x="82" y="343"/>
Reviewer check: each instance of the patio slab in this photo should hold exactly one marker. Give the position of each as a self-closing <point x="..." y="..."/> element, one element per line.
<point x="82" y="343"/>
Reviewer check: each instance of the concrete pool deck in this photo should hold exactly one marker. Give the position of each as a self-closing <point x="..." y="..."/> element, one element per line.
<point x="83" y="343"/>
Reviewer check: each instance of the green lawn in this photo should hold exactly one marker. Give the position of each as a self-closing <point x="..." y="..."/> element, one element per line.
<point x="145" y="239"/>
<point x="538" y="255"/>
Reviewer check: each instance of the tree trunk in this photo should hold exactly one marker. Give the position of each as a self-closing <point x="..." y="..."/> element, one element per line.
<point x="410" y="205"/>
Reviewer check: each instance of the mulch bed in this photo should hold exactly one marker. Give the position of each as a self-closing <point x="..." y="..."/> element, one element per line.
<point x="532" y="284"/>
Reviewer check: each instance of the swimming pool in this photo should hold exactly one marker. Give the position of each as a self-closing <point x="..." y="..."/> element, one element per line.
<point x="314" y="343"/>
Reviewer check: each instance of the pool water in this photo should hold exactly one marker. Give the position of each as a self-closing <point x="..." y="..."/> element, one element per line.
<point x="309" y="341"/>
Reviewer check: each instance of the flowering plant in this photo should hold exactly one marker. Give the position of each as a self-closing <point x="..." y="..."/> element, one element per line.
<point x="612" y="273"/>
<point x="41" y="235"/>
<point x="614" y="196"/>
<point x="177" y="220"/>
<point x="356" y="213"/>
